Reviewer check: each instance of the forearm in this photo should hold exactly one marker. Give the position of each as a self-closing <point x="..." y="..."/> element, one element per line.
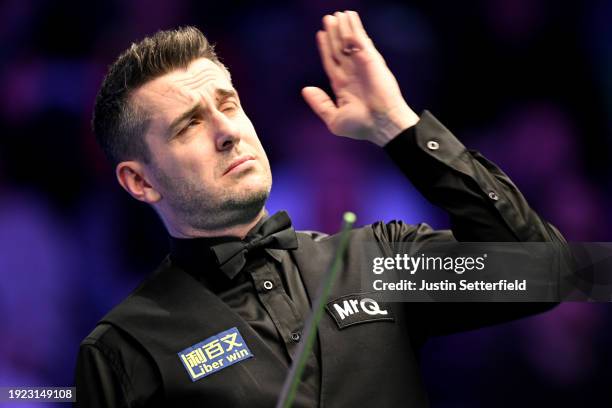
<point x="482" y="202"/>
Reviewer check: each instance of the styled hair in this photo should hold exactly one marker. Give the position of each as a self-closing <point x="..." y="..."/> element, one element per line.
<point x="119" y="125"/>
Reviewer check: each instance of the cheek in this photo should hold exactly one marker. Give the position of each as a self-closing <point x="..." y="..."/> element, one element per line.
<point x="250" y="136"/>
<point x="248" y="130"/>
<point x="261" y="153"/>
<point x="190" y="164"/>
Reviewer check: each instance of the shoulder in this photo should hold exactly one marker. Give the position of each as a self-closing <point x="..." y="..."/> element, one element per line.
<point x="321" y="237"/>
<point x="115" y="346"/>
<point x="114" y="369"/>
<point x="394" y="230"/>
<point x="100" y="335"/>
<point x="108" y="336"/>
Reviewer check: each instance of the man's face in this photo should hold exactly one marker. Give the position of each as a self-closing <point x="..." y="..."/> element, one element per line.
<point x="206" y="160"/>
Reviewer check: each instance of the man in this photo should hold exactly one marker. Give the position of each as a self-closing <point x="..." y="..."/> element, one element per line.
<point x="219" y="322"/>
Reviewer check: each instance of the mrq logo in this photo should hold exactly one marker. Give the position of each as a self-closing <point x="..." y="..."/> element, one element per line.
<point x="412" y="264"/>
<point x="352" y="306"/>
<point x="358" y="308"/>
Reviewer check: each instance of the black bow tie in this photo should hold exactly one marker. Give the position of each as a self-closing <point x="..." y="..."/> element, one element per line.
<point x="275" y="232"/>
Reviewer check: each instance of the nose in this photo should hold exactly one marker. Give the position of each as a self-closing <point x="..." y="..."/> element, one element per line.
<point x="227" y="134"/>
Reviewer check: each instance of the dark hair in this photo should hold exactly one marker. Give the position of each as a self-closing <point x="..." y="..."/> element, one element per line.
<point x="118" y="124"/>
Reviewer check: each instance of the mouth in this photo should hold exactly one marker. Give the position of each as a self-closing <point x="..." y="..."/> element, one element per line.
<point x="238" y="162"/>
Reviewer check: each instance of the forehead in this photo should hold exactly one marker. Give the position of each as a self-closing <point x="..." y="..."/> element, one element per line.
<point x="181" y="88"/>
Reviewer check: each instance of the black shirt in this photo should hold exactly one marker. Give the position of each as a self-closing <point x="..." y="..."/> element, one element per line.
<point x="113" y="369"/>
<point x="268" y="293"/>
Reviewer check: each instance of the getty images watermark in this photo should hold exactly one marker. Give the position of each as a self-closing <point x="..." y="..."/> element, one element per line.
<point x="424" y="263"/>
<point x="465" y="272"/>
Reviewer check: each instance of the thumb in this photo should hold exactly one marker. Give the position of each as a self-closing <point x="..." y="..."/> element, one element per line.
<point x="320" y="103"/>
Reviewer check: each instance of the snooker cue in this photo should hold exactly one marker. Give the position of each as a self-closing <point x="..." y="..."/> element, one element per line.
<point x="292" y="381"/>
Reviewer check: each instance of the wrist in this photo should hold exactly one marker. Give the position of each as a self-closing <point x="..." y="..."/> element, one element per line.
<point x="391" y="123"/>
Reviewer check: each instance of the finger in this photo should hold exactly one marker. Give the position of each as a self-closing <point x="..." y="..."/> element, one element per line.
<point x="320" y="103"/>
<point x="356" y="24"/>
<point x="344" y="31"/>
<point x="361" y="36"/>
<point x="330" y="23"/>
<point x="329" y="64"/>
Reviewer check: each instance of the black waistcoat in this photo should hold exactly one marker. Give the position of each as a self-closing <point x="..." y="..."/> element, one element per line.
<point x="372" y="364"/>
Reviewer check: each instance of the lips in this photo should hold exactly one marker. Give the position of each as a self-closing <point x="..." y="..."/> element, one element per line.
<point x="238" y="162"/>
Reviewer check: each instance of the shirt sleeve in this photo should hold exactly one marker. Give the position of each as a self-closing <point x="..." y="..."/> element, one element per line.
<point x="481" y="200"/>
<point x="484" y="205"/>
<point x="114" y="371"/>
<point x="97" y="381"/>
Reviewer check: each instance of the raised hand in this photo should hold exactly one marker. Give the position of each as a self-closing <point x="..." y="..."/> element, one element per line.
<point x="369" y="104"/>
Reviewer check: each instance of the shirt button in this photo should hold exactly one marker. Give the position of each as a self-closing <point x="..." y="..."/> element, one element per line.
<point x="295" y="336"/>
<point x="268" y="285"/>
<point x="433" y="145"/>
<point x="493" y="196"/>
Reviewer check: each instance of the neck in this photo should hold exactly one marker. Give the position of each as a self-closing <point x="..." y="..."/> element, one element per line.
<point x="240" y="231"/>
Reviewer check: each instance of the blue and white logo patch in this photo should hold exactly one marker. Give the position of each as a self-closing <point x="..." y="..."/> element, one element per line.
<point x="215" y="353"/>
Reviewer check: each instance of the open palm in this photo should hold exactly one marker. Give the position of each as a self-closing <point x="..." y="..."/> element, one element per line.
<point x="367" y="93"/>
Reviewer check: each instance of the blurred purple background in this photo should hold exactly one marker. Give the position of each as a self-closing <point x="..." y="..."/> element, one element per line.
<point x="526" y="82"/>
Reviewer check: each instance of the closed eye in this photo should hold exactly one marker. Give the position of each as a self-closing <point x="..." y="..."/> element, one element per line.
<point x="191" y="124"/>
<point x="229" y="107"/>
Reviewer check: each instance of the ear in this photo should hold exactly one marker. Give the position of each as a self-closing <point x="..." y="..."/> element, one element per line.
<point x="132" y="177"/>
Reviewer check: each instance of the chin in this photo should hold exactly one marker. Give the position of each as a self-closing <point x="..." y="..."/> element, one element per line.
<point x="254" y="183"/>
<point x="253" y="190"/>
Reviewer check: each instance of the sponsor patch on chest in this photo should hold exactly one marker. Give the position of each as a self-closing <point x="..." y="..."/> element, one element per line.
<point x="358" y="308"/>
<point x="214" y="354"/>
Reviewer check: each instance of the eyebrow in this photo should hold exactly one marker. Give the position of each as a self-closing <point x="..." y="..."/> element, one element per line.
<point x="220" y="94"/>
<point x="225" y="93"/>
